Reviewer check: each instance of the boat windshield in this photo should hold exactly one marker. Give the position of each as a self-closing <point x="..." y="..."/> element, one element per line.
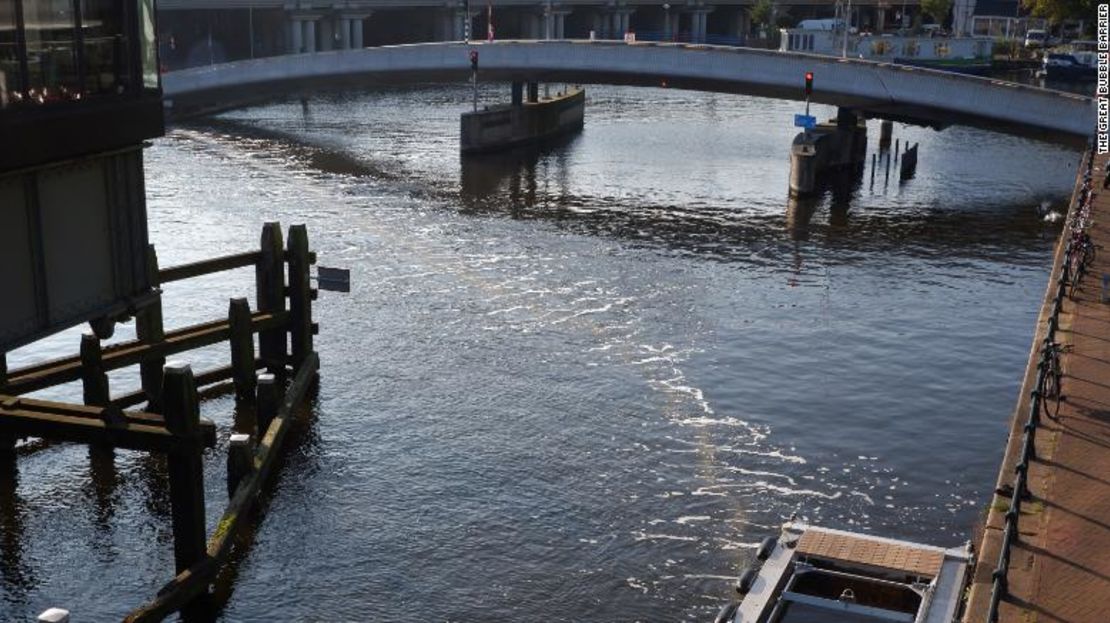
<point x="804" y="613"/>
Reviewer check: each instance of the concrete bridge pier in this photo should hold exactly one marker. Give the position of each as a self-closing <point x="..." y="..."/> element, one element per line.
<point x="831" y="147"/>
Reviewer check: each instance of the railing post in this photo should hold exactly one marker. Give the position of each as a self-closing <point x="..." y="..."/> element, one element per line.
<point x="242" y="348"/>
<point x="94" y="380"/>
<point x="270" y="285"/>
<point x="186" y="471"/>
<point x="149" y="330"/>
<point x="300" y="295"/>
<point x="266" y="405"/>
<point x="240" y="461"/>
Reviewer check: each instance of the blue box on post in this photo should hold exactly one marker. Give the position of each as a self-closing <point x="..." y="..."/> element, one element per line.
<point x="805" y="121"/>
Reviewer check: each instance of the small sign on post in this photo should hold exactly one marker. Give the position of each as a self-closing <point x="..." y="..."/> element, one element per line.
<point x="805" y="121"/>
<point x="333" y="279"/>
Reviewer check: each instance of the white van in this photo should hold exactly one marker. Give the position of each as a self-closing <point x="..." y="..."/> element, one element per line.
<point x="1035" y="38"/>
<point x="820" y="24"/>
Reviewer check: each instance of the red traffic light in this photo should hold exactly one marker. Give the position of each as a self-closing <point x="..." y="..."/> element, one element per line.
<point x="809" y="83"/>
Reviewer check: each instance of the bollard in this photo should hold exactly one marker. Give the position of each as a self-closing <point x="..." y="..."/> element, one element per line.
<point x="240" y="461"/>
<point x="54" y="615"/>
<point x="266" y="402"/>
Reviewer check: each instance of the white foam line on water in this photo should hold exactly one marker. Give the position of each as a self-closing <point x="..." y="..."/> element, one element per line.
<point x="643" y="536"/>
<point x="685" y="519"/>
<point x="508" y="310"/>
<point x="584" y="312"/>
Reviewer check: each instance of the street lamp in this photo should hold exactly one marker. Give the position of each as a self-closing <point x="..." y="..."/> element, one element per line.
<point x="667" y="22"/>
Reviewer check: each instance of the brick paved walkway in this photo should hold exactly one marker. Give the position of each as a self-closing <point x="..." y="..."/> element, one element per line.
<point x="1060" y="567"/>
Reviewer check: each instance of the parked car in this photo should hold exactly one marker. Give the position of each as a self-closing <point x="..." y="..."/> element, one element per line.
<point x="1035" y="38"/>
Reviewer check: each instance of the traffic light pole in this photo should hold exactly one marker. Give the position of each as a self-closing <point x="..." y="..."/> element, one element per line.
<point x="474" y="76"/>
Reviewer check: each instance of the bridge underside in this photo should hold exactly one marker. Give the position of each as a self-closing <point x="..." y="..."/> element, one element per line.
<point x="905" y="94"/>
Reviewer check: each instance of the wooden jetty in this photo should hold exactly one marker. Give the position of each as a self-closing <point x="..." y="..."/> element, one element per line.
<point x="276" y="380"/>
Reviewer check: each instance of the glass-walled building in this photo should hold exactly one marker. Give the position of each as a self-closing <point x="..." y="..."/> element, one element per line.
<point x="79" y="94"/>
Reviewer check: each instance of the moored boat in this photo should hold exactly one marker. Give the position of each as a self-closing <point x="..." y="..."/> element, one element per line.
<point x="820" y="575"/>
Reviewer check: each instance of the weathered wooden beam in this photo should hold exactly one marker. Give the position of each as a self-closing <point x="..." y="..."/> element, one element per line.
<point x="270" y="290"/>
<point x="207" y="267"/>
<point x="194" y="581"/>
<point x="300" y="295"/>
<point x="186" y="471"/>
<point x="46" y="374"/>
<point x="16" y="422"/>
<point x="32" y="405"/>
<point x="149" y="330"/>
<point x="242" y="348"/>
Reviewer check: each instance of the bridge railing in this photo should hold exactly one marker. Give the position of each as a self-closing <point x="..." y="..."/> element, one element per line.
<point x="1049" y="350"/>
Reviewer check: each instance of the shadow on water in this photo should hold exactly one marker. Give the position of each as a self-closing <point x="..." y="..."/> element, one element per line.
<point x="15" y="574"/>
<point x="533" y="184"/>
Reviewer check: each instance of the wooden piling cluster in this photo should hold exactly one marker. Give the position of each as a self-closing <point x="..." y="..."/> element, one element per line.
<point x="275" y="381"/>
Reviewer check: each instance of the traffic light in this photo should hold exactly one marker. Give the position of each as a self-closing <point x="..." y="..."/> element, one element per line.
<point x="809" y="83"/>
<point x="474" y="60"/>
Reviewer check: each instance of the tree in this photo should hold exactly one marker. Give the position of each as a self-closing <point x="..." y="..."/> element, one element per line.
<point x="937" y="9"/>
<point x="762" y="12"/>
<point x="1057" y="11"/>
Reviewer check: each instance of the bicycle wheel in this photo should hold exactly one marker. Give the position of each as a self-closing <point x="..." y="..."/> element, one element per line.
<point x="1050" y="391"/>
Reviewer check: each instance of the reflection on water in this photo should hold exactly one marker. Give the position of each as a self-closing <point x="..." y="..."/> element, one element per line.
<point x="584" y="380"/>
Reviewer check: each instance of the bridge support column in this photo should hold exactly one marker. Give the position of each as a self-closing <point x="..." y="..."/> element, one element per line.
<point x="356" y="30"/>
<point x="880" y="19"/>
<point x="296" y="36"/>
<point x="533" y="92"/>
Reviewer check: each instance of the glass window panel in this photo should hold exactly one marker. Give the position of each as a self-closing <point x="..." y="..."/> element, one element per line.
<point x="149" y="41"/>
<point x="9" y="58"/>
<point x="105" y="45"/>
<point x="52" y="68"/>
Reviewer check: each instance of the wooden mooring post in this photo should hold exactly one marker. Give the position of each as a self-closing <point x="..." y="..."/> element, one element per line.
<point x="300" y="296"/>
<point x="242" y="348"/>
<point x="149" y="330"/>
<point x="186" y="471"/>
<point x="270" y="288"/>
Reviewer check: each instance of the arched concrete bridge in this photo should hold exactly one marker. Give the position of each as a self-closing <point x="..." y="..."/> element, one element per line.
<point x="881" y="90"/>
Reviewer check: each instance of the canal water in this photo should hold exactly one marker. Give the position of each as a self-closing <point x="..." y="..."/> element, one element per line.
<point x="580" y="384"/>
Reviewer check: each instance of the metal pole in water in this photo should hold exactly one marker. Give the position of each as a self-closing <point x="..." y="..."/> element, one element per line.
<point x="872" y="171"/>
<point x="886" y="181"/>
<point x="897" y="148"/>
